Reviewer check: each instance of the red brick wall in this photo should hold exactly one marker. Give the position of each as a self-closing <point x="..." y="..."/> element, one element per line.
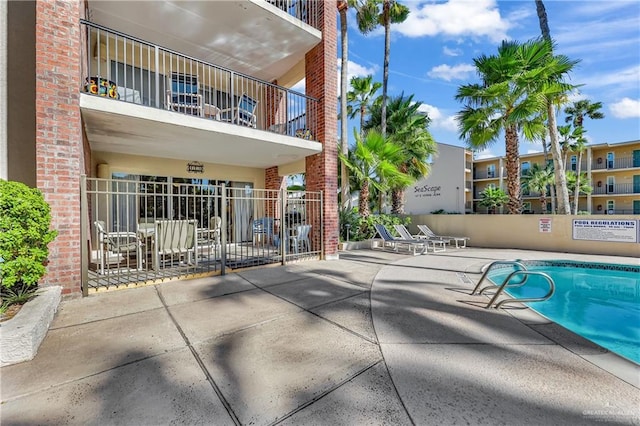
<point x="59" y="145"/>
<point x="322" y="83"/>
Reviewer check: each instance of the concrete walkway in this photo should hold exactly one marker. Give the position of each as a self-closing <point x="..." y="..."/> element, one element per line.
<point x="374" y="338"/>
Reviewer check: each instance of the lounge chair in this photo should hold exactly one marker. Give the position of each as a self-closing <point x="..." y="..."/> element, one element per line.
<point x="176" y="239"/>
<point x="436" y="243"/>
<point x="428" y="233"/>
<point x="116" y="247"/>
<point x="389" y="240"/>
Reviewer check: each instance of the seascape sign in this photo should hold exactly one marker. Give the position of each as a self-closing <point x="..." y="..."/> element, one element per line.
<point x="195" y="167"/>
<point x="624" y="231"/>
<point x="427" y="191"/>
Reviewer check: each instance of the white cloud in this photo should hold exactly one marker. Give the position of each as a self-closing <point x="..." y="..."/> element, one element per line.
<point x="626" y="108"/>
<point x="533" y="151"/>
<point x="355" y="70"/>
<point x="480" y="18"/>
<point x="485" y="153"/>
<point x="451" y="52"/>
<point x="629" y="76"/>
<point x="438" y="119"/>
<point x="448" y="73"/>
<point x="300" y="86"/>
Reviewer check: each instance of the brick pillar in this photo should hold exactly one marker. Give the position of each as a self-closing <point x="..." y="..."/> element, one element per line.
<point x="59" y="144"/>
<point x="322" y="83"/>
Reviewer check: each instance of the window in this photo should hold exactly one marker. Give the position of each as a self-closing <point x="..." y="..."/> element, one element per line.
<point x="574" y="163"/>
<point x="611" y="158"/>
<point x="611" y="206"/>
<point x="611" y="184"/>
<point x="526" y="207"/>
<point x="137" y="85"/>
<point x="526" y="168"/>
<point x="491" y="171"/>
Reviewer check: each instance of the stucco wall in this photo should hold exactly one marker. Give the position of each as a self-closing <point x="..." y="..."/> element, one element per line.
<point x="522" y="232"/>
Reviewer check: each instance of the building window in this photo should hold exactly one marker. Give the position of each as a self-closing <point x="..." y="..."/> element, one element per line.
<point x="526" y="207"/>
<point x="491" y="171"/>
<point x="526" y="168"/>
<point x="611" y="206"/>
<point x="611" y="158"/>
<point x="574" y="163"/>
<point x="611" y="184"/>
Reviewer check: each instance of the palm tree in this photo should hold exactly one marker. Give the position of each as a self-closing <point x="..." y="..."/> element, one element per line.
<point x="361" y="97"/>
<point x="373" y="164"/>
<point x="538" y="180"/>
<point x="344" y="144"/>
<point x="370" y="14"/>
<point x="560" y="177"/>
<point x="580" y="147"/>
<point x="407" y="128"/>
<point x="507" y="98"/>
<point x="493" y="198"/>
<point x="581" y="109"/>
<point x="575" y="115"/>
<point x="578" y="184"/>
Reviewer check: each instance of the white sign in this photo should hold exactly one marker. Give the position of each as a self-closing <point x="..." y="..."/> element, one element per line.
<point x="624" y="231"/>
<point x="545" y="224"/>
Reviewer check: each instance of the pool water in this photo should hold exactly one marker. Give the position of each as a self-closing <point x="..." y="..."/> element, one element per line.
<point x="602" y="305"/>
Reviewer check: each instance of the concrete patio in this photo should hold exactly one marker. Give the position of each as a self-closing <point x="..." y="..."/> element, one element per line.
<point x="373" y="338"/>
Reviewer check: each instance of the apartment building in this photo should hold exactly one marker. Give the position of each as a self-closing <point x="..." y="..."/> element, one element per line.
<point x="161" y="133"/>
<point x="612" y="170"/>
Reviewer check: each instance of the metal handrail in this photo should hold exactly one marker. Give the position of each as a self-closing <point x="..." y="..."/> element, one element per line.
<point x="488" y="267"/>
<point x="552" y="289"/>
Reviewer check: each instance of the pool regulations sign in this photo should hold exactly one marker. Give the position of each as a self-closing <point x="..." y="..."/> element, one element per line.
<point x="623" y="231"/>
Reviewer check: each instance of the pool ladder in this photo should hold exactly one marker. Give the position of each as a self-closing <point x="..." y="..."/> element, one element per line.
<point x="524" y="273"/>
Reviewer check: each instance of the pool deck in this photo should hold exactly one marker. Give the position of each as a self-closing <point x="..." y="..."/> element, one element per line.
<point x="373" y="338"/>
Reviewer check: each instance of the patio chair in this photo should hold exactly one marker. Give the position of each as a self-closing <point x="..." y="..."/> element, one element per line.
<point x="115" y="247"/>
<point x="243" y="113"/>
<point x="175" y="238"/>
<point x="183" y="95"/>
<point x="426" y="232"/>
<point x="436" y="244"/>
<point x="211" y="234"/>
<point x="396" y="243"/>
<point x="299" y="240"/>
<point x="263" y="230"/>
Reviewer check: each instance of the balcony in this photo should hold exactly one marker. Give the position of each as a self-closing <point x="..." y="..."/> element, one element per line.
<point x="616" y="189"/>
<point x="264" y="39"/>
<point x="143" y="99"/>
<point x="483" y="174"/>
<point x="615" y="164"/>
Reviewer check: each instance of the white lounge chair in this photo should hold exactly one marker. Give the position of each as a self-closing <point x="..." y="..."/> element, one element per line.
<point x="436" y="244"/>
<point x="175" y="238"/>
<point x="116" y="247"/>
<point x="396" y="243"/>
<point x="426" y="232"/>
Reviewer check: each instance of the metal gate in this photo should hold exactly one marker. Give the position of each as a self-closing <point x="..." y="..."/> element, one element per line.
<point x="139" y="232"/>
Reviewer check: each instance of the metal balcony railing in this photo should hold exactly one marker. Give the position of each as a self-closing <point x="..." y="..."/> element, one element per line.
<point x="306" y="11"/>
<point x="131" y="70"/>
<point x="467" y="165"/>
<point x="484" y="174"/>
<point x="468" y="185"/>
<point x="617" y="163"/>
<point x="618" y="188"/>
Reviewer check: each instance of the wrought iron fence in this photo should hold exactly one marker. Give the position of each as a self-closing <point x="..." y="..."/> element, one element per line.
<point x="617" y="188"/>
<point x="128" y="69"/>
<point x="306" y="11"/>
<point x="147" y="231"/>
<point x="614" y="163"/>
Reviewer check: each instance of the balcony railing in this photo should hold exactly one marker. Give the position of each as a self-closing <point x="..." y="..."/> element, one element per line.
<point x="483" y="174"/>
<point x="131" y="70"/>
<point x="617" y="163"/>
<point x="618" y="188"/>
<point x="306" y="11"/>
<point x="615" y="211"/>
<point x="467" y="165"/>
<point x="468" y="185"/>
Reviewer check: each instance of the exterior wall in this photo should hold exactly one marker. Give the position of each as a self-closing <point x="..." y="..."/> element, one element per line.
<point x="443" y="188"/>
<point x="21" y="92"/>
<point x="522" y="232"/>
<point x="153" y="166"/>
<point x="322" y="168"/>
<point x="59" y="156"/>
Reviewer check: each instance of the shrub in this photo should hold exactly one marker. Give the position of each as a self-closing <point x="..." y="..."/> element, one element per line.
<point x="25" y="220"/>
<point x="361" y="229"/>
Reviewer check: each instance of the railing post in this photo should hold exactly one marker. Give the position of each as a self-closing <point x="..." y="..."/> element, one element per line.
<point x="283" y="225"/>
<point x="157" y="65"/>
<point x="84" y="250"/>
<point x="223" y="231"/>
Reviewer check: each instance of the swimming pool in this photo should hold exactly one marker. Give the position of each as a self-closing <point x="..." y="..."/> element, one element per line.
<point x="598" y="301"/>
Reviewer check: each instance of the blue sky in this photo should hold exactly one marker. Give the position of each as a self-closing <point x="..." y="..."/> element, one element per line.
<point x="432" y="55"/>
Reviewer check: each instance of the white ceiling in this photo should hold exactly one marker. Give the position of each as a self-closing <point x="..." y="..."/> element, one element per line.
<point x="248" y="36"/>
<point x="116" y="126"/>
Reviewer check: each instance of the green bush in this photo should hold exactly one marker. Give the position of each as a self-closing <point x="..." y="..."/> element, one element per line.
<point x="25" y="220"/>
<point x="360" y="229"/>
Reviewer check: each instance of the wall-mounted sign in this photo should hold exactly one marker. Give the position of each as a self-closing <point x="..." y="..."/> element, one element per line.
<point x="195" y="167"/>
<point x="427" y="191"/>
<point x="545" y="225"/>
<point x="624" y="231"/>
